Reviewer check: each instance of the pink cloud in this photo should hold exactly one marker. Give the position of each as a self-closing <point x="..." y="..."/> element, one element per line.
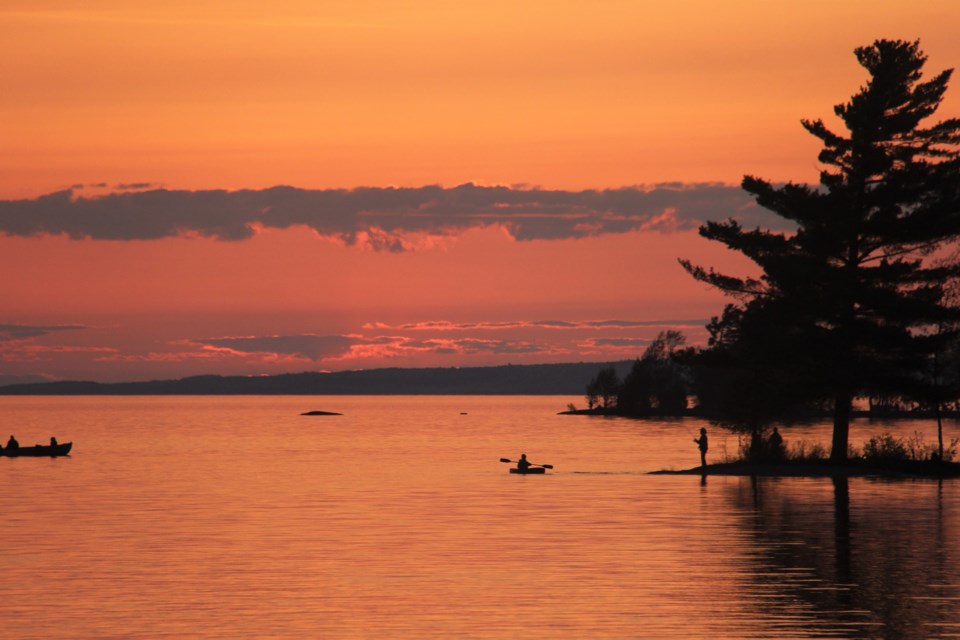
<point x="446" y="325"/>
<point x="19" y="352"/>
<point x="167" y="356"/>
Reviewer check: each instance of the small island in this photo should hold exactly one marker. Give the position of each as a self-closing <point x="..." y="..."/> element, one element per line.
<point x="321" y="413"/>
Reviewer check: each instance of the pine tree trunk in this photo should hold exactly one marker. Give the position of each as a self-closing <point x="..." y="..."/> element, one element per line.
<point x="841" y="426"/>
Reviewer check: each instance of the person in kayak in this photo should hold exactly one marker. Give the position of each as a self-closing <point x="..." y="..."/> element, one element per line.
<point x="12" y="444"/>
<point x="522" y="463"/>
<point x="702" y="443"/>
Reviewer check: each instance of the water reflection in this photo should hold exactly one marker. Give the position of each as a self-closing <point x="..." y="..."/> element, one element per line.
<point x="865" y="558"/>
<point x="352" y="529"/>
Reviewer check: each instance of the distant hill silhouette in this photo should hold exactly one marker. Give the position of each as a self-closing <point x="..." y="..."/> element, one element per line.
<point x="538" y="379"/>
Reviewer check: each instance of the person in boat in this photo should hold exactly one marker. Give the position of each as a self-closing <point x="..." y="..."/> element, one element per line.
<point x="523" y="464"/>
<point x="776" y="444"/>
<point x="12" y="444"/>
<point x="702" y="443"/>
<point x="53" y="441"/>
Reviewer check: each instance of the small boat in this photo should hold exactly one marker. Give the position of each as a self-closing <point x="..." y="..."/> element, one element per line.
<point x="40" y="450"/>
<point x="528" y="471"/>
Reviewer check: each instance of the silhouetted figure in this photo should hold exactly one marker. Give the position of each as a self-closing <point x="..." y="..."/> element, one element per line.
<point x="522" y="463"/>
<point x="12" y="444"/>
<point x="53" y="441"/>
<point x="776" y="444"/>
<point x="702" y="443"/>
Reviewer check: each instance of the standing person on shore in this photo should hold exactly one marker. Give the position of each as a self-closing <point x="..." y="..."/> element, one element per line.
<point x="702" y="443"/>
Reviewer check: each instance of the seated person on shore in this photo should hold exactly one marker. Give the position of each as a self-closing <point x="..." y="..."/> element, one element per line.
<point x="522" y="463"/>
<point x="12" y="444"/>
<point x="776" y="444"/>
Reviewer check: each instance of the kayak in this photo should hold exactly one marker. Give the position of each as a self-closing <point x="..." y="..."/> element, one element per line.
<point x="528" y="471"/>
<point x="40" y="450"/>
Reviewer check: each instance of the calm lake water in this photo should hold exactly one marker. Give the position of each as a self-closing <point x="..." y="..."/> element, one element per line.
<point x="236" y="517"/>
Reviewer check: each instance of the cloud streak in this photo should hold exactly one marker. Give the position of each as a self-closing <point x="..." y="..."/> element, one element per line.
<point x="309" y="347"/>
<point x="383" y="219"/>
<point x="75" y="351"/>
<point x="380" y="341"/>
<point x="357" y="347"/>
<point x="445" y="325"/>
<point x="9" y="332"/>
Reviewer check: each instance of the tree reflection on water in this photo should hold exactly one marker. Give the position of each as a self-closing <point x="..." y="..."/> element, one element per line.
<point x="865" y="558"/>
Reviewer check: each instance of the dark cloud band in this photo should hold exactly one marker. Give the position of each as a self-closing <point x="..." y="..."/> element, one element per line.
<point x="379" y="217"/>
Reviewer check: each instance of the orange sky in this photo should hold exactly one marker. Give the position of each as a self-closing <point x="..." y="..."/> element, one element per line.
<point x="561" y="95"/>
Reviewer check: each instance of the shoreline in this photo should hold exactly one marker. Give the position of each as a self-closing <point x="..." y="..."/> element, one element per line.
<point x="693" y="413"/>
<point x="851" y="469"/>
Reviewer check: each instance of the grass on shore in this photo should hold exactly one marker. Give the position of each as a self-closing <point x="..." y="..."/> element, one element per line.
<point x="882" y="455"/>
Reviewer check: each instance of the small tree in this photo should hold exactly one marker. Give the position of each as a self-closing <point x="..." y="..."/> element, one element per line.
<point x="851" y="283"/>
<point x="743" y="382"/>
<point x="657" y="382"/>
<point x="593" y="394"/>
<point x="605" y="386"/>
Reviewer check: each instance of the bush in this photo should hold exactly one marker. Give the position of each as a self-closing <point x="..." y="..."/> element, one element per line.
<point x="885" y="448"/>
<point x="918" y="450"/>
<point x="950" y="451"/>
<point x="930" y="451"/>
<point x="804" y="451"/>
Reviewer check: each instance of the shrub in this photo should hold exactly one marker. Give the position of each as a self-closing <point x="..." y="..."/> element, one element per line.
<point x="803" y="451"/>
<point x="885" y="448"/>
<point x="917" y="449"/>
<point x="950" y="451"/>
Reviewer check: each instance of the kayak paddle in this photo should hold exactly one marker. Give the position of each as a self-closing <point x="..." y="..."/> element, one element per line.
<point x="545" y="466"/>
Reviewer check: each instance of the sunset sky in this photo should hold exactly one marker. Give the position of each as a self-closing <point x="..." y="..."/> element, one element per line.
<point x="255" y="188"/>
